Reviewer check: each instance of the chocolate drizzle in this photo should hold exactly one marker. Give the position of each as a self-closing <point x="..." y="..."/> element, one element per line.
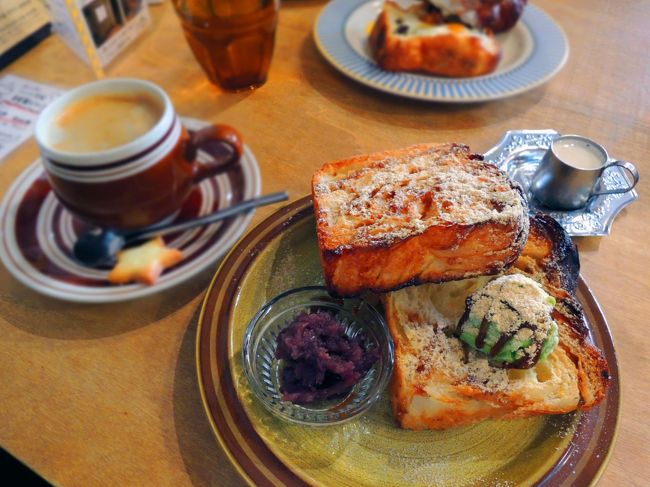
<point x="531" y="353"/>
<point x="527" y="360"/>
<point x="465" y="317"/>
<point x="482" y="332"/>
<point x="501" y="342"/>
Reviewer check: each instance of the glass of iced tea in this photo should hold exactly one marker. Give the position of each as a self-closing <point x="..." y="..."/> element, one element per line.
<point x="231" y="39"/>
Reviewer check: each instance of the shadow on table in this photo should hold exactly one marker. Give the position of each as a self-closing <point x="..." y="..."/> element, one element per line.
<point x="53" y="318"/>
<point x="205" y="461"/>
<point x="588" y="244"/>
<point x="211" y="96"/>
<point x="376" y="105"/>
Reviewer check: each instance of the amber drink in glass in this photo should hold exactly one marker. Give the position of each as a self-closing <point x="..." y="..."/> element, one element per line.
<point x="231" y="39"/>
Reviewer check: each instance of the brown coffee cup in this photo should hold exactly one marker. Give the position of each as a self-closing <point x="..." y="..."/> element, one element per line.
<point x="131" y="183"/>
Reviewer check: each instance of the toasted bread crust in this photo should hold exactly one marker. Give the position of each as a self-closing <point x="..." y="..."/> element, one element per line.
<point x="550" y="255"/>
<point x="575" y="375"/>
<point x="452" y="53"/>
<point x="437" y="255"/>
<point x="403" y="217"/>
<point x="552" y="259"/>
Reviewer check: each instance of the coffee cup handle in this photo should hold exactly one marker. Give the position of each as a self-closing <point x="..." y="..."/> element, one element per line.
<point x="222" y="142"/>
<point x="628" y="166"/>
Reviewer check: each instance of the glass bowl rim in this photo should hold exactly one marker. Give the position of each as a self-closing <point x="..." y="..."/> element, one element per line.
<point x="380" y="383"/>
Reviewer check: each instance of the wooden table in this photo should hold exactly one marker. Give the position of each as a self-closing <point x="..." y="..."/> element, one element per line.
<point x="108" y="395"/>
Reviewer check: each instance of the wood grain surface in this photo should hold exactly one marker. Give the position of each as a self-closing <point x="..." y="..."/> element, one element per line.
<point x="108" y="395"/>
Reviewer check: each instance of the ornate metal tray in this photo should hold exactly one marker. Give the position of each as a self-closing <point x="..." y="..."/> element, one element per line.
<point x="519" y="153"/>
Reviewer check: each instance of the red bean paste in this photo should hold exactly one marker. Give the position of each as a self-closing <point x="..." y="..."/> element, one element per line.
<point x="320" y="360"/>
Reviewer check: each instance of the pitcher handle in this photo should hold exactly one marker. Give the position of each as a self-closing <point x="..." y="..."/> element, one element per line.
<point x="628" y="166"/>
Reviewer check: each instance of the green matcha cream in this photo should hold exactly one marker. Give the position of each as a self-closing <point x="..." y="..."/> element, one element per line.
<point x="510" y="320"/>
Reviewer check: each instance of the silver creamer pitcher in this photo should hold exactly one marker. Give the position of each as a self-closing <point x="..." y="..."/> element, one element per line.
<point x="570" y="171"/>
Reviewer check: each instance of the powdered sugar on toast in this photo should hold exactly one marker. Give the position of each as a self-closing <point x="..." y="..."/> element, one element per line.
<point x="428" y="332"/>
<point x="396" y="197"/>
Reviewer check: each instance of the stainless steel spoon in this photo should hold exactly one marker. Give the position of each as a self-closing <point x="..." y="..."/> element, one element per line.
<point x="100" y="246"/>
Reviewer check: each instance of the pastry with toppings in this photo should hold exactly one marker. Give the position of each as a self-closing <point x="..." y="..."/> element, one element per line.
<point x="416" y="39"/>
<point x="443" y="37"/>
<point x="510" y="347"/>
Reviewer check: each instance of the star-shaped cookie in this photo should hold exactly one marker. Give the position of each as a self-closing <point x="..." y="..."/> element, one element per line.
<point x="144" y="263"/>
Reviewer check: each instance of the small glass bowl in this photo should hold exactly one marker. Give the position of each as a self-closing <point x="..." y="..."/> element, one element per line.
<point x="262" y="369"/>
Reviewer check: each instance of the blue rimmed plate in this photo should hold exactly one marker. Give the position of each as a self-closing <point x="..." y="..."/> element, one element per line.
<point x="533" y="52"/>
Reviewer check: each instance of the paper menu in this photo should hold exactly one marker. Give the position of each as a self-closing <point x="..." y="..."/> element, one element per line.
<point x="21" y="100"/>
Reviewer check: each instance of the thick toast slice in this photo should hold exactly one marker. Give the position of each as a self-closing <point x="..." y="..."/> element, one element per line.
<point x="427" y="213"/>
<point x="437" y="385"/>
<point x="413" y="40"/>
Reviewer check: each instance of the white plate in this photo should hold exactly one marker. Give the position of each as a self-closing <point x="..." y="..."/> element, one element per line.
<point x="37" y="235"/>
<point x="533" y="52"/>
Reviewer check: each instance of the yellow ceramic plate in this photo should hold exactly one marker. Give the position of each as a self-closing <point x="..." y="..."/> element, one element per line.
<point x="280" y="254"/>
